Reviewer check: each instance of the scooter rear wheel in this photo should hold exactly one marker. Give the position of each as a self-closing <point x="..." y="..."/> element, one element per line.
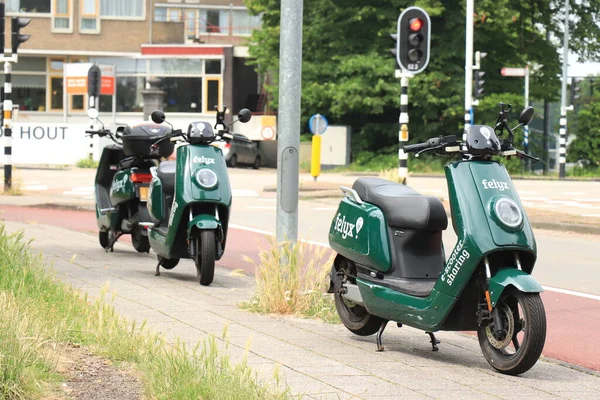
<point x="205" y="257"/>
<point x="139" y="241"/>
<point x="356" y="318"/>
<point x="509" y="351"/>
<point x="103" y="239"/>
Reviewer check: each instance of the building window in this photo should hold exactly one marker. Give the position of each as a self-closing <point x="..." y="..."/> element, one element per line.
<point x="173" y="15"/>
<point x="243" y="23"/>
<point x="191" y="23"/>
<point x="90" y="16"/>
<point x="129" y="95"/>
<point x="29" y="6"/>
<point x="182" y="94"/>
<point x="213" y="67"/>
<point x="56" y="93"/>
<point x="160" y="14"/>
<point x="61" y="17"/>
<point x="213" y="94"/>
<point x="122" y="9"/>
<point x="214" y="21"/>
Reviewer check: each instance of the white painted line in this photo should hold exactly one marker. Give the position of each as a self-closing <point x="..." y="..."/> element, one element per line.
<point x="267" y="200"/>
<point x="549" y="288"/>
<point x="31" y="183"/>
<point x="325" y="208"/>
<point x="591" y="215"/>
<point x="544" y="206"/>
<point x="526" y="192"/>
<point x="35" y="187"/>
<point x="432" y="191"/>
<point x="573" y="193"/>
<point x="84" y="189"/>
<point x="588" y="200"/>
<point x="572" y="293"/>
<point x="534" y="198"/>
<point x="244" y="193"/>
<point x="89" y="197"/>
<point x="261" y="207"/>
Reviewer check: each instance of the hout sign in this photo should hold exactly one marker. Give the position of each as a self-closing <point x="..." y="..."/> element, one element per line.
<point x="49" y="144"/>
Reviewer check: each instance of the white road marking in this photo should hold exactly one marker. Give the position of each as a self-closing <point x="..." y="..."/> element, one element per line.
<point x="244" y="193"/>
<point x="591" y="215"/>
<point x="524" y="198"/>
<point x="325" y="208"/>
<point x="261" y="207"/>
<point x="35" y="187"/>
<point x="267" y="200"/>
<point x="526" y="192"/>
<point x="549" y="288"/>
<point x="588" y="200"/>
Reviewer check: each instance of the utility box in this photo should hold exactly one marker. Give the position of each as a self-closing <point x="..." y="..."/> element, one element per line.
<point x="335" y="146"/>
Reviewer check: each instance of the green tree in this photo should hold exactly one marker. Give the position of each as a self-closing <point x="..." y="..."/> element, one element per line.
<point x="586" y="146"/>
<point x="348" y="71"/>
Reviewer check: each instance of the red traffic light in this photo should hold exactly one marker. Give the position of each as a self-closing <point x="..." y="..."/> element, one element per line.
<point x="415" y="24"/>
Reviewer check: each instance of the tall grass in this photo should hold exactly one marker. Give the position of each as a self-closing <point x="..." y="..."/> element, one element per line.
<point x="39" y="315"/>
<point x="292" y="278"/>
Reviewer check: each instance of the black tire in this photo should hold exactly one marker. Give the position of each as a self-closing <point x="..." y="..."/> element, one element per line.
<point x="139" y="241"/>
<point x="529" y="349"/>
<point x="256" y="164"/>
<point x="355" y="317"/>
<point x="169" y="263"/>
<point x="233" y="161"/>
<point x="103" y="239"/>
<point x="205" y="257"/>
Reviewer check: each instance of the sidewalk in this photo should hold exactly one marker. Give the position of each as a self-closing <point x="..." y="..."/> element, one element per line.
<point x="318" y="360"/>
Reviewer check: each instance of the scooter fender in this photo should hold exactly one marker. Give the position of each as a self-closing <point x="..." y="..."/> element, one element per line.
<point x="507" y="277"/>
<point x="203" y="222"/>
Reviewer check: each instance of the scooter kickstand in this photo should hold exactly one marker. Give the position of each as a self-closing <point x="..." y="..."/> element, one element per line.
<point x="379" y="334"/>
<point x="158" y="268"/>
<point x="434" y="342"/>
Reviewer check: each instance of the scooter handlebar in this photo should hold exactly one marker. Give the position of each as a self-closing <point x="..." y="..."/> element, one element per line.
<point x="413" y="148"/>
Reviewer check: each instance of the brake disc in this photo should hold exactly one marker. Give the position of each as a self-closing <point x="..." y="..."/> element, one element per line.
<point x="500" y="341"/>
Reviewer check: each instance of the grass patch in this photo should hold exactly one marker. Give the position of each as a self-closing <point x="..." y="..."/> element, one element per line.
<point x="87" y="163"/>
<point x="39" y="315"/>
<point x="292" y="279"/>
<point x="16" y="185"/>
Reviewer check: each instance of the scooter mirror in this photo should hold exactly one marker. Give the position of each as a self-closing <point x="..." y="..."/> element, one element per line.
<point x="92" y="113"/>
<point x="244" y="115"/>
<point x="526" y="116"/>
<point x="158" y="117"/>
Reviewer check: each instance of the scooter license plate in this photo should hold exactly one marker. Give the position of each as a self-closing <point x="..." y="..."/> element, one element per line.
<point x="143" y="193"/>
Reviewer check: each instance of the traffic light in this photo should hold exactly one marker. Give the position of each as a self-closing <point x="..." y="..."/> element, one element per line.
<point x="94" y="81"/>
<point x="2" y="28"/>
<point x="17" y="37"/>
<point x="414" y="29"/>
<point x="575" y="90"/>
<point x="479" y="90"/>
<point x="394" y="50"/>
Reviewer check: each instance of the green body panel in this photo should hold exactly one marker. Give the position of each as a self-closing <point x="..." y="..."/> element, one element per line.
<point x="203" y="222"/>
<point x="122" y="189"/>
<point x="156" y="203"/>
<point x="190" y="159"/>
<point x="515" y="277"/>
<point x="359" y="232"/>
<point x="426" y="313"/>
<point x="479" y="233"/>
<point x="107" y="221"/>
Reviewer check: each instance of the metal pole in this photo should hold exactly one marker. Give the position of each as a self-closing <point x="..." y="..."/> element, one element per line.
<point x="526" y="127"/>
<point x="403" y="134"/>
<point x="288" y="143"/>
<point x="469" y="66"/>
<point x="562" y="151"/>
<point x="8" y="109"/>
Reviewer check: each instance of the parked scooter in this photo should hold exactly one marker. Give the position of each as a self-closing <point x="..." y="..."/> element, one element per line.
<point x="122" y="181"/>
<point x="190" y="198"/>
<point x="390" y="264"/>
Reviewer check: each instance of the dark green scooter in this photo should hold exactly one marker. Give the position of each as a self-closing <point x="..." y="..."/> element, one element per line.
<point x="122" y="181"/>
<point x="391" y="264"/>
<point x="190" y="198"/>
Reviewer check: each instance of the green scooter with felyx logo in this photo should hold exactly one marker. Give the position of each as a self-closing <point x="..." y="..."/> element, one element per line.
<point x="391" y="264"/>
<point x="190" y="199"/>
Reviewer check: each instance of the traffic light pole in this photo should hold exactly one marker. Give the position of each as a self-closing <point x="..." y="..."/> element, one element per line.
<point x="403" y="133"/>
<point x="468" y="66"/>
<point x="7" y="110"/>
<point x="562" y="151"/>
<point x="526" y="127"/>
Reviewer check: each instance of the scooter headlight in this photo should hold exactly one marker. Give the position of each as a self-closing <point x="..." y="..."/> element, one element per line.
<point x="206" y="178"/>
<point x="508" y="212"/>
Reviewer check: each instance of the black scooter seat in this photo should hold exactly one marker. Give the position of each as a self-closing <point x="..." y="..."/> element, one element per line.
<point x="402" y="206"/>
<point x="166" y="174"/>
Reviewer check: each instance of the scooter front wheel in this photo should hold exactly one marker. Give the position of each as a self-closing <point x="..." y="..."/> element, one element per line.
<point x="139" y="241"/>
<point x="103" y="239"/>
<point x="205" y="257"/>
<point x="514" y="345"/>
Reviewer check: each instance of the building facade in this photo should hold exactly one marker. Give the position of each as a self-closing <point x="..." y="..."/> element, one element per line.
<point x="195" y="51"/>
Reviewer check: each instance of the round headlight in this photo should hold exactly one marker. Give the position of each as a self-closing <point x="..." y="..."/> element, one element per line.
<point x="206" y="178"/>
<point x="508" y="212"/>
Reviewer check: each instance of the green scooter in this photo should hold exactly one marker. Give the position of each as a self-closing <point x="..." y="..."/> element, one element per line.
<point x="391" y="266"/>
<point x="122" y="180"/>
<point x="190" y="198"/>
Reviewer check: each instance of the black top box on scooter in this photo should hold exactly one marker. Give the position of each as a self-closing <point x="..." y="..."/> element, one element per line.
<point x="138" y="139"/>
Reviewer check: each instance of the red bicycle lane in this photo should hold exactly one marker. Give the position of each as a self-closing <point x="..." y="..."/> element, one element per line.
<point x="572" y="321"/>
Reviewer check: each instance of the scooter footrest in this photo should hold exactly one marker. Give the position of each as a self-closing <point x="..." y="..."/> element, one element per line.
<point x="105" y="210"/>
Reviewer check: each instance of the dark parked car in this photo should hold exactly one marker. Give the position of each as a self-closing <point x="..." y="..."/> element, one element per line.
<point x="240" y="150"/>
